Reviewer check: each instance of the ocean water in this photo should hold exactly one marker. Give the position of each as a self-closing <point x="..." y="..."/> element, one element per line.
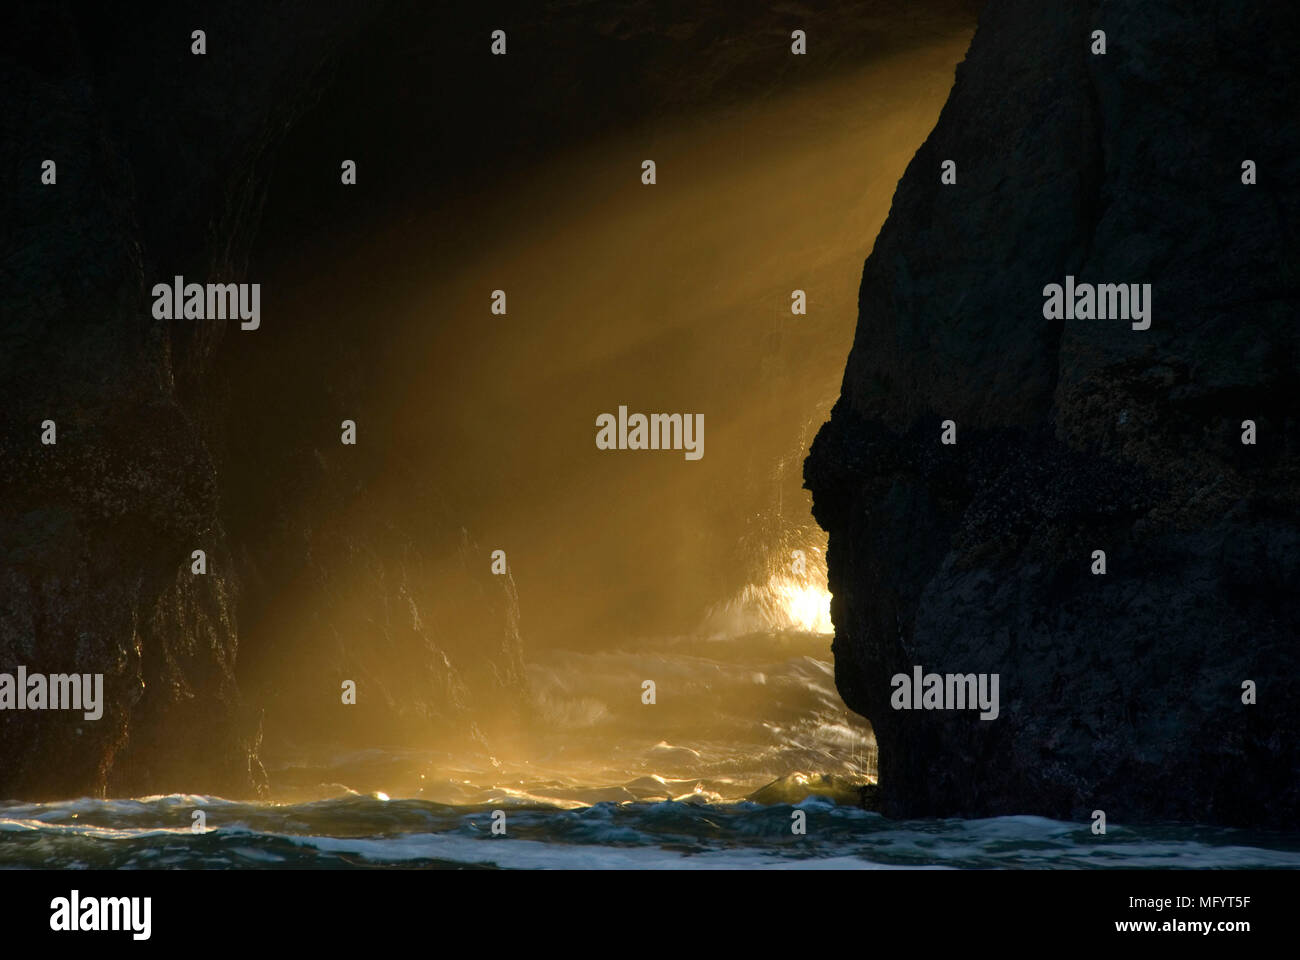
<point x="365" y="831"/>
<point x="741" y="736"/>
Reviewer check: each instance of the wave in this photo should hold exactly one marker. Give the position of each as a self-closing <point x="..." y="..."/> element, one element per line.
<point x="366" y="831"/>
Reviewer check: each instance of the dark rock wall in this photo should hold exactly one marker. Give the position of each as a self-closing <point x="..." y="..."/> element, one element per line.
<point x="158" y="173"/>
<point x="349" y="566"/>
<point x="1119" y="692"/>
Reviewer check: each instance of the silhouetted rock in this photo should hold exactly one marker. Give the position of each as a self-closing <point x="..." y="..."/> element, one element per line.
<point x="163" y="160"/>
<point x="1120" y="692"/>
<point x="99" y="528"/>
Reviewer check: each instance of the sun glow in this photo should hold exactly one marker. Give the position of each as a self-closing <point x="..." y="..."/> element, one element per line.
<point x="794" y="597"/>
<point x="806" y="606"/>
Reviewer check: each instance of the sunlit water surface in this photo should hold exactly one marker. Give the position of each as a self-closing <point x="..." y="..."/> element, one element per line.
<point x="613" y="783"/>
